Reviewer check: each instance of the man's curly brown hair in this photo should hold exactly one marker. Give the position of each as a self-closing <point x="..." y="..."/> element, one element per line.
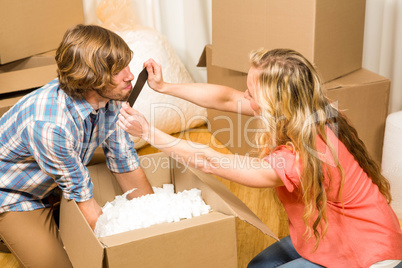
<point x="88" y="57"/>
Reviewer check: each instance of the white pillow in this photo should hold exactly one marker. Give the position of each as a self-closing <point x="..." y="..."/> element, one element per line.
<point x="167" y="113"/>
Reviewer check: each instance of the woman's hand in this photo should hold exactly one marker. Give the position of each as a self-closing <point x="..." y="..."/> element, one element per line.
<point x="155" y="78"/>
<point x="133" y="122"/>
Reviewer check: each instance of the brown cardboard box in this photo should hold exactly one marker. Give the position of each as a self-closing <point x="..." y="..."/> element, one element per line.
<point x="19" y="77"/>
<point x="28" y="73"/>
<point x="7" y="103"/>
<point x="32" y="27"/>
<point x="235" y="131"/>
<point x="328" y="33"/>
<point x="205" y="241"/>
<point x="362" y="95"/>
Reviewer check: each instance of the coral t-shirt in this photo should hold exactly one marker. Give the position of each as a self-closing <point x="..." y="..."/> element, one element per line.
<point x="365" y="231"/>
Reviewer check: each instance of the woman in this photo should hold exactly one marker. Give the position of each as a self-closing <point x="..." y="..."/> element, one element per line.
<point x="336" y="199"/>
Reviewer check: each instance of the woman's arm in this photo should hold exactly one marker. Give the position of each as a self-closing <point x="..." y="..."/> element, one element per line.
<point x="206" y="95"/>
<point x="252" y="172"/>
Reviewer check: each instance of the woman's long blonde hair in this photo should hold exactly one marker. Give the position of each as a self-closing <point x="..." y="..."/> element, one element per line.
<point x="295" y="112"/>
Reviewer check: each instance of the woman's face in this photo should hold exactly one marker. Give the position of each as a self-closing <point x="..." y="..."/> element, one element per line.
<point x="251" y="93"/>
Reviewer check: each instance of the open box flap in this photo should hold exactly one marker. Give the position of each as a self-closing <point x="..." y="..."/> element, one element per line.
<point x="202" y="61"/>
<point x="230" y="204"/>
<point x="157" y="168"/>
<point x="83" y="248"/>
<point x="106" y="190"/>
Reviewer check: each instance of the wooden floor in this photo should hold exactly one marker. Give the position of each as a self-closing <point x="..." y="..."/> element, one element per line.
<point x="261" y="201"/>
<point x="7" y="260"/>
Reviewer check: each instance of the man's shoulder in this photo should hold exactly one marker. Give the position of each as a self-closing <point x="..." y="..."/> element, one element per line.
<point x="50" y="88"/>
<point x="42" y="93"/>
<point x="48" y="103"/>
<point x="34" y="101"/>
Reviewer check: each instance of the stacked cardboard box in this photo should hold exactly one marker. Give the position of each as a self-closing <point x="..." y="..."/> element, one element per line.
<point x="33" y="27"/>
<point x="328" y="33"/>
<point x="20" y="77"/>
<point x="30" y="32"/>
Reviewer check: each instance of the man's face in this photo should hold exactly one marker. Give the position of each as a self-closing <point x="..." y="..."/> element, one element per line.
<point x="122" y="88"/>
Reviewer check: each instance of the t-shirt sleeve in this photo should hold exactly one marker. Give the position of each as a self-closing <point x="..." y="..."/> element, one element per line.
<point x="287" y="165"/>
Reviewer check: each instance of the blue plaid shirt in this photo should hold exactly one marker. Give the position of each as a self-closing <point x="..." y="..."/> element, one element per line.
<point x="46" y="141"/>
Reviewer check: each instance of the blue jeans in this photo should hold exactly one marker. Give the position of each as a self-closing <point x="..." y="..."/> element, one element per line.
<point x="283" y="254"/>
<point x="280" y="254"/>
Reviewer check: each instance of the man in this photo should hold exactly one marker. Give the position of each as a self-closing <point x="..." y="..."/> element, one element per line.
<point x="50" y="135"/>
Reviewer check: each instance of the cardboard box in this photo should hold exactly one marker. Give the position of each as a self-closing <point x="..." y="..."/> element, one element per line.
<point x="328" y="33"/>
<point x="362" y="95"/>
<point x="32" y="72"/>
<point x="20" y="77"/>
<point x="234" y="130"/>
<point x="205" y="241"/>
<point x="33" y="27"/>
<point x="7" y="103"/>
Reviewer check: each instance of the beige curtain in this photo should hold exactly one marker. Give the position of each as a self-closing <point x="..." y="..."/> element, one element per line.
<point x="382" y="51"/>
<point x="185" y="23"/>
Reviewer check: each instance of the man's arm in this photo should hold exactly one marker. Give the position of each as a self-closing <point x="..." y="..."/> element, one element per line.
<point x="61" y="160"/>
<point x="206" y="95"/>
<point x="134" y="179"/>
<point x="91" y="211"/>
<point x="129" y="180"/>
